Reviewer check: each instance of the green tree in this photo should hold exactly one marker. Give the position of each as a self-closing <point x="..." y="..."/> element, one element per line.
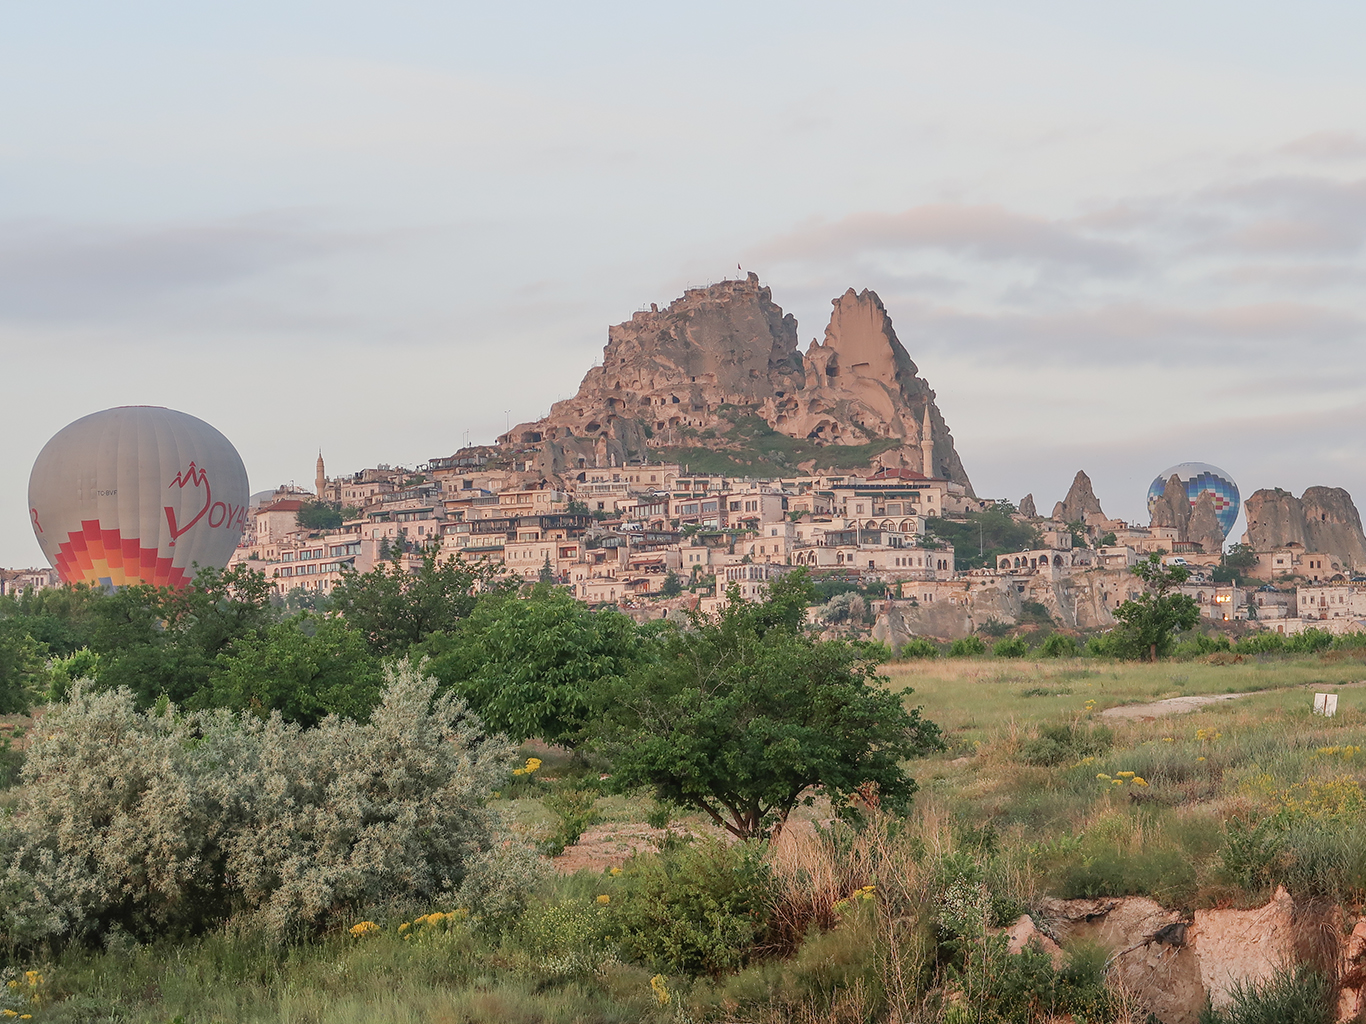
<point x="1148" y="624"/>
<point x="63" y="618"/>
<point x="395" y="608"/>
<point x="318" y="515"/>
<point x="161" y="641"/>
<point x="1235" y="563"/>
<point x="547" y="574"/>
<point x="979" y="538"/>
<point x="23" y="669"/>
<point x="306" y="668"/>
<point x="534" y="667"/>
<point x="743" y="716"/>
<point x="577" y="507"/>
<point x="672" y="585"/>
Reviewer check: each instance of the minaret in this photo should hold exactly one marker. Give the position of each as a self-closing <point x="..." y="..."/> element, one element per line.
<point x="321" y="482"/>
<point x="927" y="443"/>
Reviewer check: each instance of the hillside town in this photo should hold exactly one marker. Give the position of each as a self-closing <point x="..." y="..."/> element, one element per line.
<point x="706" y="454"/>
<point x="651" y="537"/>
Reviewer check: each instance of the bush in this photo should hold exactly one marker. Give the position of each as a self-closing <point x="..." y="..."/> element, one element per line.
<point x="699" y="910"/>
<point x="1058" y="645"/>
<point x="918" y="647"/>
<point x="1309" y="641"/>
<point x="1298" y="995"/>
<point x="161" y="821"/>
<point x="967" y="647"/>
<point x="576" y="810"/>
<point x="1011" y="647"/>
<point x="1200" y="644"/>
<point x="1066" y="742"/>
<point x="1263" y="642"/>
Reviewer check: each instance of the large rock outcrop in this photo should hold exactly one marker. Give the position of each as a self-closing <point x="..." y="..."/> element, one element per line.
<point x="1027" y="506"/>
<point x="1322" y="519"/>
<point x="687" y="374"/>
<point x="1204" y="527"/>
<point x="1081" y="502"/>
<point x="1173" y="509"/>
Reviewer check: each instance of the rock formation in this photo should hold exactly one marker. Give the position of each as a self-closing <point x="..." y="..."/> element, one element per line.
<point x="1173" y="509"/>
<point x="1322" y="519"/>
<point x="688" y="374"/>
<point x="1027" y="506"/>
<point x="1203" y="527"/>
<point x="1081" y="501"/>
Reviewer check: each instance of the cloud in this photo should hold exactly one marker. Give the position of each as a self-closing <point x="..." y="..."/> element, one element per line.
<point x="1133" y="332"/>
<point x="981" y="232"/>
<point x="53" y="271"/>
<point x="1289" y="214"/>
<point x="1327" y="146"/>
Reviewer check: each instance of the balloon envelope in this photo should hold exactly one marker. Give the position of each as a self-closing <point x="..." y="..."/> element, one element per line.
<point x="1200" y="477"/>
<point x="137" y="494"/>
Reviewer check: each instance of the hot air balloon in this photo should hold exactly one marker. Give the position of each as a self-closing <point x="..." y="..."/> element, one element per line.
<point x="1200" y="477"/>
<point x="137" y="494"/>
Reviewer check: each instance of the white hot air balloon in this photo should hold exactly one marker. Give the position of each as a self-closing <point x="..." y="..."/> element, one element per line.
<point x="137" y="494"/>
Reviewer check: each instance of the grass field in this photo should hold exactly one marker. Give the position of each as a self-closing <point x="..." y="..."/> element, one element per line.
<point x="1035" y="794"/>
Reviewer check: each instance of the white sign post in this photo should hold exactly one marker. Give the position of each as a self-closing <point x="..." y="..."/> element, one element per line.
<point x="1326" y="704"/>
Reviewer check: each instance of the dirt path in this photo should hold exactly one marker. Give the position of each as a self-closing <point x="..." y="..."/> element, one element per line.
<point x="1170" y="706"/>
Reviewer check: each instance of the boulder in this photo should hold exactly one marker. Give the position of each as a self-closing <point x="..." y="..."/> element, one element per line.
<point x="1023" y="935"/>
<point x="1027" y="506"/>
<point x="1242" y="946"/>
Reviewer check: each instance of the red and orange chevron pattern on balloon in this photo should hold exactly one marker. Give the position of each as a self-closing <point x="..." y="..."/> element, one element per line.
<point x="104" y="558"/>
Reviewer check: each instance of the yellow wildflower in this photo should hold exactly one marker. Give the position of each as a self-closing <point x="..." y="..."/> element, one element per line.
<point x="604" y="899"/>
<point x="1138" y="781"/>
<point x="364" y="928"/>
<point x="1168" y="739"/>
<point x="404" y="927"/>
<point x="9" y="1013"/>
<point x="1199" y="758"/>
<point x="660" y="989"/>
<point x="1116" y="782"/>
<point x="1102" y="775"/>
<point x="614" y="872"/>
<point x="1125" y="775"/>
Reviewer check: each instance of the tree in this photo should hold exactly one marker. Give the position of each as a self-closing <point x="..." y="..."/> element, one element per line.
<point x="1148" y="624"/>
<point x="535" y="667"/>
<point x="672" y="585"/>
<point x="1235" y="563"/>
<point x="306" y="668"/>
<point x="318" y="515"/>
<point x="743" y="716"/>
<point x="980" y="538"/>
<point x="161" y="641"/>
<point x="547" y="574"/>
<point x="22" y="668"/>
<point x="577" y="507"/>
<point x="395" y="609"/>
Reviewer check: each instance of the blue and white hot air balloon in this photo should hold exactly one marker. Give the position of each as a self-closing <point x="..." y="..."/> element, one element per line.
<point x="1200" y="477"/>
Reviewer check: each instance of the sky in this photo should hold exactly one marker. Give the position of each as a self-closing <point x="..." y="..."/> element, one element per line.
<point x="1112" y="236"/>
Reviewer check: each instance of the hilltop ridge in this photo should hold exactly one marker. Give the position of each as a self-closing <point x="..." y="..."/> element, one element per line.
<point x="699" y="373"/>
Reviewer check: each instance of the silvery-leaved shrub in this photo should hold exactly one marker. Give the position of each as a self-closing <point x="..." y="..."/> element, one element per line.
<point x="163" y="821"/>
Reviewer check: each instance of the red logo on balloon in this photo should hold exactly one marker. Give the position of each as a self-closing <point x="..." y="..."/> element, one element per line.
<point x="191" y="476"/>
<point x="36" y="525"/>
